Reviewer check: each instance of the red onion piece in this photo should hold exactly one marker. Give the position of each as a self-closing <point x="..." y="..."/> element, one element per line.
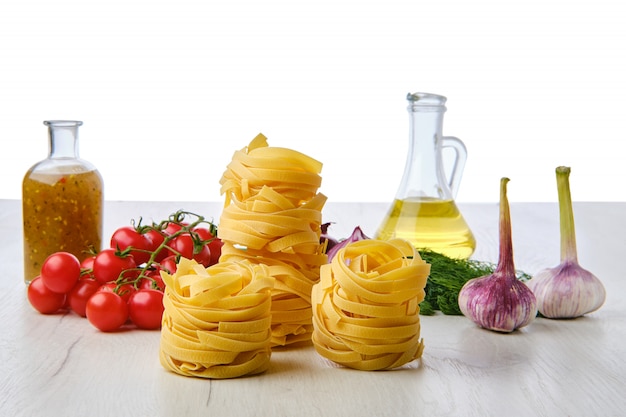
<point x="356" y="235"/>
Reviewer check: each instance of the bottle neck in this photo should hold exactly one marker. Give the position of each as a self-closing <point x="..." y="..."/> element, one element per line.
<point x="423" y="175"/>
<point x="426" y="118"/>
<point x="63" y="138"/>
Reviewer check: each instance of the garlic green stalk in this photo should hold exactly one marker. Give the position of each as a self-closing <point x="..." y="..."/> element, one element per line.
<point x="499" y="301"/>
<point x="567" y="290"/>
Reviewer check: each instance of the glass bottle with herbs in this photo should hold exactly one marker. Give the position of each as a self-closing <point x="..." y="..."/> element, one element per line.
<point x="62" y="201"/>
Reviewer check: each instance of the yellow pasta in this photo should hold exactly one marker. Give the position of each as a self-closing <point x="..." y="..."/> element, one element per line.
<point x="272" y="216"/>
<point x="366" y="305"/>
<point x="216" y="322"/>
<point x="293" y="174"/>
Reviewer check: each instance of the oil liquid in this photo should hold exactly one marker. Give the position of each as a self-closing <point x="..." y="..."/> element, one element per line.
<point x="429" y="223"/>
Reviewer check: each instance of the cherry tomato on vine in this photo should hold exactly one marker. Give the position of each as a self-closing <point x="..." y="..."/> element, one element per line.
<point x="128" y="237"/>
<point x="173" y="227"/>
<point x="215" y="246"/>
<point x="108" y="265"/>
<point x="86" y="268"/>
<point x="153" y="280"/>
<point x="87" y="263"/>
<point x="181" y="245"/>
<point x="60" y="272"/>
<point x="42" y="299"/>
<point x="203" y="233"/>
<point x="184" y="245"/>
<point x="106" y="311"/>
<point x="169" y="264"/>
<point x="156" y="239"/>
<point x="145" y="309"/>
<point x="124" y="290"/>
<point x="214" y="243"/>
<point x="79" y="295"/>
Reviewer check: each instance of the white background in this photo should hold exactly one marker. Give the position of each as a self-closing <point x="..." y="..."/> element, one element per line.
<point x="168" y="90"/>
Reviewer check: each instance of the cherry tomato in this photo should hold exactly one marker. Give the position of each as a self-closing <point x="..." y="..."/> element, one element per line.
<point x="169" y="264"/>
<point x="124" y="290"/>
<point x="153" y="280"/>
<point x="86" y="268"/>
<point x="172" y="227"/>
<point x="156" y="239"/>
<point x="215" y="246"/>
<point x="87" y="263"/>
<point x="60" y="272"/>
<point x="151" y="284"/>
<point x="43" y="299"/>
<point x="145" y="309"/>
<point x="106" y="311"/>
<point x="108" y="265"/>
<point x="184" y="245"/>
<point x="204" y="257"/>
<point x="128" y="237"/>
<point x="214" y="243"/>
<point x="79" y="295"/>
<point x="203" y="233"/>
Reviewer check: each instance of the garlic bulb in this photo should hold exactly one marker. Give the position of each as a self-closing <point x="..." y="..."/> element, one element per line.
<point x="499" y="301"/>
<point x="567" y="290"/>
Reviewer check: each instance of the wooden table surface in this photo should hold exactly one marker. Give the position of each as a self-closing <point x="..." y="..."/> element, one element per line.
<point x="61" y="366"/>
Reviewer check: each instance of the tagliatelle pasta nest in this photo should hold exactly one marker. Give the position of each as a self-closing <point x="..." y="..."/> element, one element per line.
<point x="366" y="305"/>
<point x="216" y="322"/>
<point x="293" y="175"/>
<point x="272" y="216"/>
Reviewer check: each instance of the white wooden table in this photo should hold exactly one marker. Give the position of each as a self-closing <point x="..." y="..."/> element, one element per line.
<point x="61" y="366"/>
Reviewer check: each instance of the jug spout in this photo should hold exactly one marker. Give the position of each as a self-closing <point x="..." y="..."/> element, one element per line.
<point x="427" y="100"/>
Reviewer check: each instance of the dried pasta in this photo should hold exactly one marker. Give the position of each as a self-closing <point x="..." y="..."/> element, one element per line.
<point x="272" y="216"/>
<point x="366" y="305"/>
<point x="216" y="322"/>
<point x="293" y="175"/>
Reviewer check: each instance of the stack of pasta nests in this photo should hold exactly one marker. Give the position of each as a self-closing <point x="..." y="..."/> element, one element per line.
<point x="272" y="215"/>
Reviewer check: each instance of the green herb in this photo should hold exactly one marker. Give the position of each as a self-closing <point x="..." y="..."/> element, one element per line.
<point x="447" y="276"/>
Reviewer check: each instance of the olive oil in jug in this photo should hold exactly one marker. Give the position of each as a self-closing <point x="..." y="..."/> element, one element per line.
<point x="424" y="211"/>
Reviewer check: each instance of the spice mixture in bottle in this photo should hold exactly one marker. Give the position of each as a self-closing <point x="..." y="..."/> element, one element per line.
<point x="62" y="201"/>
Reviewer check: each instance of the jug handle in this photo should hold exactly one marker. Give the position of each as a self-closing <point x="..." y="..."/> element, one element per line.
<point x="459" y="161"/>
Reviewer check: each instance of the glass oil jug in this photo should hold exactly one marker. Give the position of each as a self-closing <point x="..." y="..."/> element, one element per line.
<point x="424" y="211"/>
<point x="62" y="201"/>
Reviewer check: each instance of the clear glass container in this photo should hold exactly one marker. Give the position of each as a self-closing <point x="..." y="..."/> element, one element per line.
<point x="62" y="201"/>
<point x="424" y="211"/>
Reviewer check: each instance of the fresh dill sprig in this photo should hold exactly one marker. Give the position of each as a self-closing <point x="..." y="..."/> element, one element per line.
<point x="447" y="277"/>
